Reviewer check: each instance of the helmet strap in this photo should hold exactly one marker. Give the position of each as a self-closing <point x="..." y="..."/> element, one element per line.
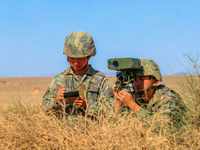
<point x="79" y="69"/>
<point x="147" y="90"/>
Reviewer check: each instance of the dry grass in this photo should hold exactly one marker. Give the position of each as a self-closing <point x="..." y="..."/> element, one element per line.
<point x="24" y="126"/>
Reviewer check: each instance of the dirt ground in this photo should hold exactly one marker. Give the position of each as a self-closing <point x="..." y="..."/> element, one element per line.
<point x="33" y="88"/>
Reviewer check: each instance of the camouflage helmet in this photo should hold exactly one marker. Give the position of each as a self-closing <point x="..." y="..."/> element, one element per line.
<point x="79" y="44"/>
<point x="148" y="68"/>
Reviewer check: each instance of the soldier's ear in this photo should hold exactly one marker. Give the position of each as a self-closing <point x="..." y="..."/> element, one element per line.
<point x="155" y="82"/>
<point x="88" y="57"/>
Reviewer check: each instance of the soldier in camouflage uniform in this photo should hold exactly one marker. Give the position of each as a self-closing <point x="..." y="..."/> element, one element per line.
<point x="79" y="47"/>
<point x="148" y="97"/>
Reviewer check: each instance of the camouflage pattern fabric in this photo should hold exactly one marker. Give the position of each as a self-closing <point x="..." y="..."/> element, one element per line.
<point x="164" y="102"/>
<point x="79" y="44"/>
<point x="148" y="68"/>
<point x="99" y="92"/>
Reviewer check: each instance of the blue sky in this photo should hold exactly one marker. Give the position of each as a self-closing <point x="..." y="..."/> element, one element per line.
<point x="32" y="33"/>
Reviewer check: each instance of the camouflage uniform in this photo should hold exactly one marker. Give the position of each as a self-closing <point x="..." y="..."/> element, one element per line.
<point x="164" y="101"/>
<point x="99" y="96"/>
<point x="94" y="82"/>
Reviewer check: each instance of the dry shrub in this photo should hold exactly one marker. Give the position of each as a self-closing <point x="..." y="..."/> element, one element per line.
<point x="3" y="81"/>
<point x="190" y="90"/>
<point x="23" y="125"/>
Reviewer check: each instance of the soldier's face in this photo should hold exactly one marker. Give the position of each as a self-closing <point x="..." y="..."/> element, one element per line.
<point x="141" y="83"/>
<point x="78" y="63"/>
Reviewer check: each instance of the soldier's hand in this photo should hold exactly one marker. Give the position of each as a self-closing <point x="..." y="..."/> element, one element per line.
<point x="115" y="92"/>
<point x="118" y="102"/>
<point x="128" y="100"/>
<point x="79" y="101"/>
<point x="125" y="97"/>
<point x="60" y="96"/>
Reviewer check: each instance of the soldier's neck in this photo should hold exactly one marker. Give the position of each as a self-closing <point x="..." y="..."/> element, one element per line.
<point x="81" y="72"/>
<point x="147" y="96"/>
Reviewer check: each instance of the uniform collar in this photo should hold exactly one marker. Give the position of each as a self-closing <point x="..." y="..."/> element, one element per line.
<point x="153" y="96"/>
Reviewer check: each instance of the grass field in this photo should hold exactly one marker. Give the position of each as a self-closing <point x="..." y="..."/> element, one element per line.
<point x="24" y="126"/>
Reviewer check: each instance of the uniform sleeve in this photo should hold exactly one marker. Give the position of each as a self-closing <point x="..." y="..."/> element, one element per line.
<point x="105" y="100"/>
<point x="166" y="107"/>
<point x="49" y="97"/>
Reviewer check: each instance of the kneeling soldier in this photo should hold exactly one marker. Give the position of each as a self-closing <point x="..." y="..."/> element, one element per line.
<point x="149" y="98"/>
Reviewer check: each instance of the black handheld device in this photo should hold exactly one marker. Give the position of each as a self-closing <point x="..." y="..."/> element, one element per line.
<point x="73" y="93"/>
<point x="68" y="94"/>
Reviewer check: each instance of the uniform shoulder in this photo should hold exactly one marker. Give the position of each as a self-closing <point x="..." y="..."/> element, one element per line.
<point x="59" y="75"/>
<point x="162" y="89"/>
<point x="97" y="72"/>
<point x="97" y="76"/>
<point x="100" y="79"/>
<point x="58" y="79"/>
<point x="164" y="92"/>
<point x="62" y="73"/>
<point x="100" y="74"/>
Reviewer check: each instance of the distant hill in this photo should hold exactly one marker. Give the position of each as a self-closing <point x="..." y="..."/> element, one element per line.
<point x="179" y="74"/>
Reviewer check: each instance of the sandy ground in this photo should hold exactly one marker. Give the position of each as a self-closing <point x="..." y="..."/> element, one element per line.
<point x="33" y="89"/>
